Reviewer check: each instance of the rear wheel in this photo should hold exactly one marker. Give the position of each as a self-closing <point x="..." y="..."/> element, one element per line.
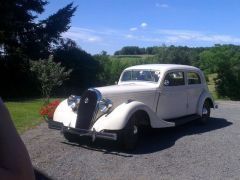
<point x="205" y="113"/>
<point x="130" y="134"/>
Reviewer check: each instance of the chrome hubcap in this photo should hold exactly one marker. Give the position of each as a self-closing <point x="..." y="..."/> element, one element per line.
<point x="204" y="111"/>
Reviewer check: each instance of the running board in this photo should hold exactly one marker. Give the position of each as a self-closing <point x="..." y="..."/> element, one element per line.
<point x="183" y="120"/>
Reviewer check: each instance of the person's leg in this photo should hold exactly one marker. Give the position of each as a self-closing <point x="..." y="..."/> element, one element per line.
<point x="14" y="159"/>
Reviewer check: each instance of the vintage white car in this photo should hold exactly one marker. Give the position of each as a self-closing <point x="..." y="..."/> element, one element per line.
<point x="155" y="95"/>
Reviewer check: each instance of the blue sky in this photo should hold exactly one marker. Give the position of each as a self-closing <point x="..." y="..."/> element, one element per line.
<point x="111" y="24"/>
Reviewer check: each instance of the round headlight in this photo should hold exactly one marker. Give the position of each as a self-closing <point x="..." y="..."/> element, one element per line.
<point x="104" y="105"/>
<point x="73" y="101"/>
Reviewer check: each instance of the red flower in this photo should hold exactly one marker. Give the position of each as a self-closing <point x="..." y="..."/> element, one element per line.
<point x="49" y="109"/>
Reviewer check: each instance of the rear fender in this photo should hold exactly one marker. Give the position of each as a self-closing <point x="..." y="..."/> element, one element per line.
<point x="204" y="96"/>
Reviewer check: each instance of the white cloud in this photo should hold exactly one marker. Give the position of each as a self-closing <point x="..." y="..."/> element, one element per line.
<point x="129" y="36"/>
<point x="82" y="34"/>
<point x="142" y="38"/>
<point x="173" y="36"/>
<point x="133" y="29"/>
<point x="162" y="5"/>
<point x="94" y="40"/>
<point x="160" y="35"/>
<point x="182" y="37"/>
<point x="143" y="25"/>
<point x="151" y="39"/>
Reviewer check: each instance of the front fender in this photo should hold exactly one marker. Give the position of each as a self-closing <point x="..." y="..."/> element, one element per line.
<point x="118" y="118"/>
<point x="65" y="115"/>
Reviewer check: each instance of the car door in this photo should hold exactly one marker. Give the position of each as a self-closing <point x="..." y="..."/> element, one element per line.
<point x="173" y="96"/>
<point x="194" y="90"/>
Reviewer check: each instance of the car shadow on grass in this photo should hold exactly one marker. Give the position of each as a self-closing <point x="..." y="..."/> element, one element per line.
<point x="153" y="140"/>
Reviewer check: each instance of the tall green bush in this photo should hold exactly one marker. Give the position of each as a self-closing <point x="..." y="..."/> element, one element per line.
<point x="49" y="74"/>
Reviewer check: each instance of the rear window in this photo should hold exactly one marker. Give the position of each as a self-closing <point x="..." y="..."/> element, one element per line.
<point x="174" y="79"/>
<point x="193" y="78"/>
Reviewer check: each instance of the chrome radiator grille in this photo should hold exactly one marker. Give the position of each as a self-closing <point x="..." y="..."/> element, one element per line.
<point x="87" y="109"/>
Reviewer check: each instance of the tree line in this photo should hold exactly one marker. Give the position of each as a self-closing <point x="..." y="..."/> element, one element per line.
<point x="221" y="60"/>
<point x="135" y="50"/>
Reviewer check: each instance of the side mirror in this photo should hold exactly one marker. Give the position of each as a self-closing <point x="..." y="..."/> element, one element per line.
<point x="116" y="82"/>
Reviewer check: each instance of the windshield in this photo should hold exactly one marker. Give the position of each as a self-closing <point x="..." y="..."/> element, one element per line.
<point x="141" y="75"/>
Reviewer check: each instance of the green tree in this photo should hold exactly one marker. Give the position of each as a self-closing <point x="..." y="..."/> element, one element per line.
<point x="131" y="50"/>
<point x="49" y="74"/>
<point x="84" y="66"/>
<point x="225" y="61"/>
<point x="24" y="37"/>
<point x="20" y="32"/>
<point x="176" y="55"/>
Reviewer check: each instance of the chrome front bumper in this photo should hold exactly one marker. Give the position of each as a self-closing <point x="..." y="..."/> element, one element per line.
<point x="90" y="133"/>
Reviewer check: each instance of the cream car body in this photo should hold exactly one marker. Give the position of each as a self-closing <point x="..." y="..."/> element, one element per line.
<point x="178" y="91"/>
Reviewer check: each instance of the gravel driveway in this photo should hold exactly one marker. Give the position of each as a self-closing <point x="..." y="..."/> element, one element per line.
<point x="190" y="151"/>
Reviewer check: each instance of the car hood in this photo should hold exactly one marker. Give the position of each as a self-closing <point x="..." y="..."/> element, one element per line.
<point x="119" y="94"/>
<point x="125" y="89"/>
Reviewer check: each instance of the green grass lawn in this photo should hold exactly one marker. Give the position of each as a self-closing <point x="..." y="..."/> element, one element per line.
<point x="25" y="113"/>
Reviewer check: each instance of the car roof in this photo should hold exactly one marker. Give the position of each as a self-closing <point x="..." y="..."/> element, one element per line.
<point x="163" y="67"/>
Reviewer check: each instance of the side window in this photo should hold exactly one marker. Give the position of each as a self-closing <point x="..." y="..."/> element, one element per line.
<point x="193" y="78"/>
<point x="174" y="79"/>
<point x="126" y="76"/>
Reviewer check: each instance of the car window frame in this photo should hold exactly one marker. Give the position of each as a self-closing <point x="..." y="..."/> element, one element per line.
<point x="157" y="82"/>
<point x="171" y="71"/>
<point x="201" y="80"/>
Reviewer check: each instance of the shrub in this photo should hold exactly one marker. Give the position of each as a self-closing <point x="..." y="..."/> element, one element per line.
<point x="48" y="110"/>
<point x="50" y="75"/>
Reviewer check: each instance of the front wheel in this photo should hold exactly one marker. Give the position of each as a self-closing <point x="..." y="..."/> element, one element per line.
<point x="130" y="135"/>
<point x="205" y="113"/>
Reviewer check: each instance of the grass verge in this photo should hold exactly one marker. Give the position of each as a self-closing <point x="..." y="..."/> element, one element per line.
<point x="25" y="114"/>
